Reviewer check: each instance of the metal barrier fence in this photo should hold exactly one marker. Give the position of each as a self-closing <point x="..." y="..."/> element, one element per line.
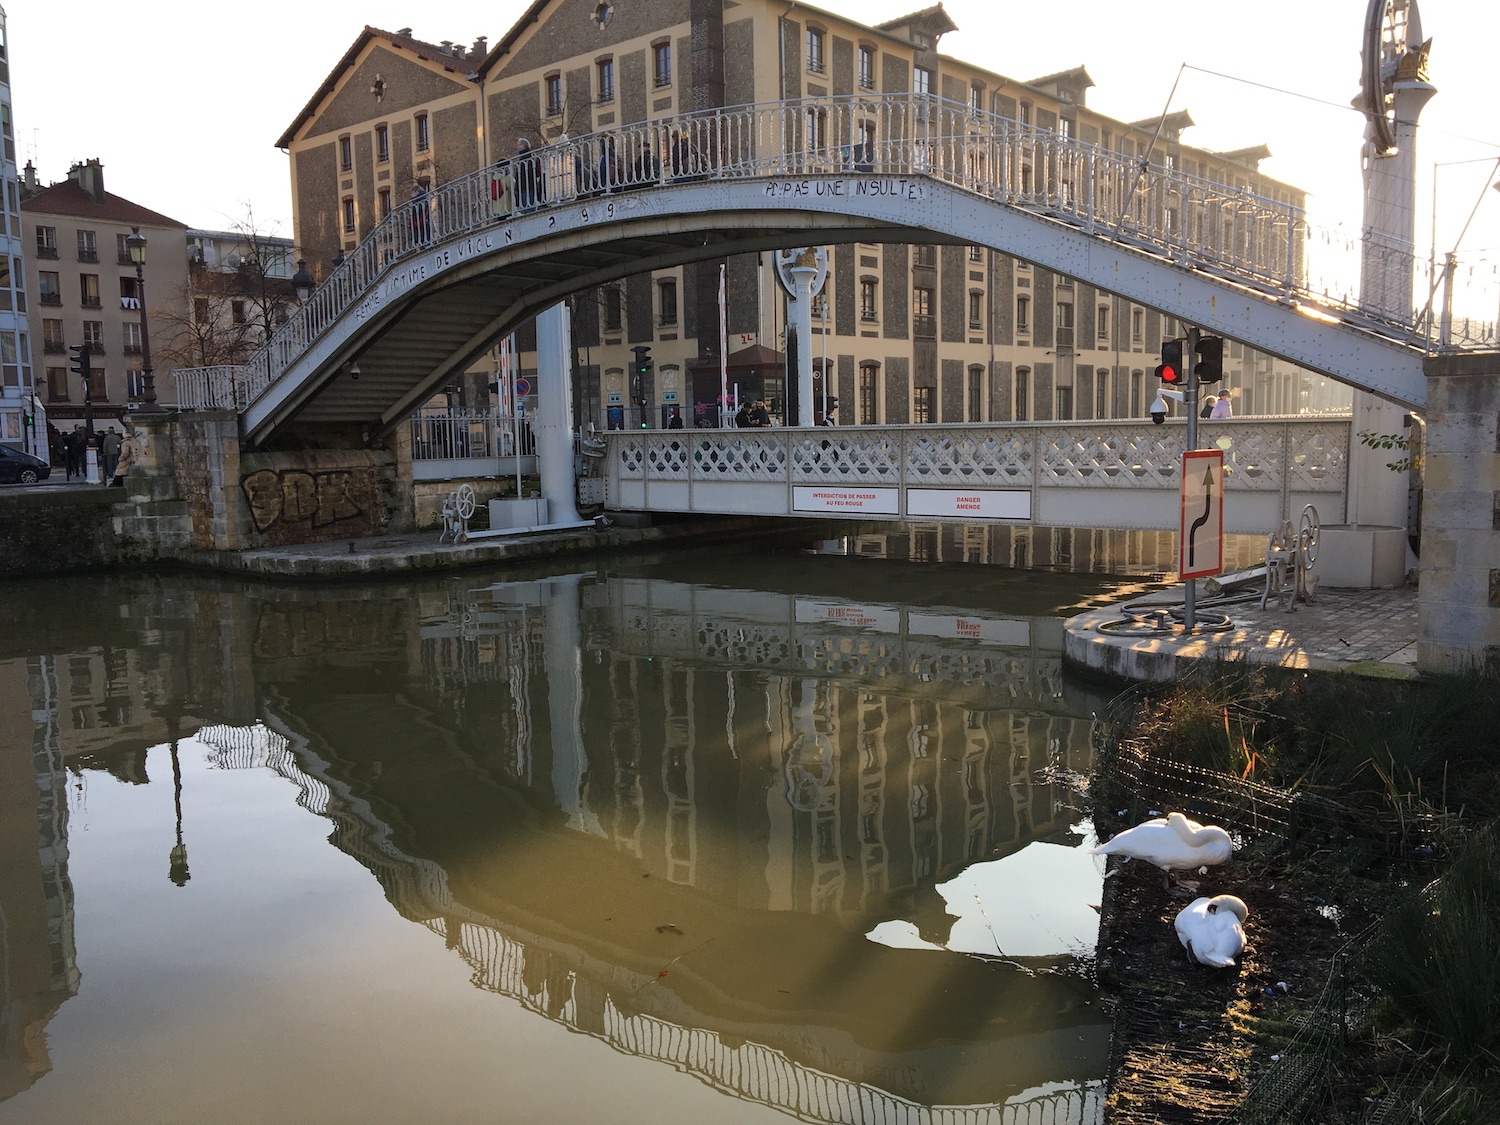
<point x="1252" y="239"/>
<point x="463" y="435"/>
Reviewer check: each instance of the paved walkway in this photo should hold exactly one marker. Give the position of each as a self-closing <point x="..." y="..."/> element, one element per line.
<point x="1371" y="631"/>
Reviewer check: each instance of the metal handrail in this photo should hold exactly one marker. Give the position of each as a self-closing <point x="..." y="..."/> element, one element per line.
<point x="1244" y="237"/>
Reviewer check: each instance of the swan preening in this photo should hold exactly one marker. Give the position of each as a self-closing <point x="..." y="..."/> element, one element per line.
<point x="1173" y="843"/>
<point x="1212" y="930"/>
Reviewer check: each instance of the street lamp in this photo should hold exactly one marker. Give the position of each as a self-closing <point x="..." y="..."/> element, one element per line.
<point x="136" y="245"/>
<point x="302" y="281"/>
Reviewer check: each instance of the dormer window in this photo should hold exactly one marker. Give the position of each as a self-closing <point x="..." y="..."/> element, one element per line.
<point x="921" y="40"/>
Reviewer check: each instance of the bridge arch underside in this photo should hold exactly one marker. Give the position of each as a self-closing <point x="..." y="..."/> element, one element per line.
<point x="433" y="313"/>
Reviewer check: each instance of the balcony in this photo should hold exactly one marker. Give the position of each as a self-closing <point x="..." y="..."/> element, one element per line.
<point x="91" y="302"/>
<point x="132" y="349"/>
<point x="924" y="326"/>
<point x="50" y="298"/>
<point x="54" y="347"/>
<point x="88" y="255"/>
<point x="123" y="259"/>
<point x="46" y="251"/>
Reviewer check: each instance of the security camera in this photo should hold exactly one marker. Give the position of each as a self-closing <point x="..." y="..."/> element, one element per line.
<point x="1159" y="407"/>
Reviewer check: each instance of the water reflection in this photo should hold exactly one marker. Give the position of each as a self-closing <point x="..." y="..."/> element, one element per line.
<point x="654" y="811"/>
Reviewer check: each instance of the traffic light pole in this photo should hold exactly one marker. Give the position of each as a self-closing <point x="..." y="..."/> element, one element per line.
<point x="1190" y="403"/>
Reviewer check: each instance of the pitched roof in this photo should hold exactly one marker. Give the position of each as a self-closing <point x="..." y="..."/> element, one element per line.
<point x="508" y="40"/>
<point x="937" y="21"/>
<point x="67" y="198"/>
<point x="428" y="52"/>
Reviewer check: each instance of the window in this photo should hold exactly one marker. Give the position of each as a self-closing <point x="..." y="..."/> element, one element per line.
<point x="46" y="242"/>
<point x="976" y="97"/>
<point x="612" y="309"/>
<point x="346" y="154"/>
<point x="815" y="50"/>
<point x="869" y="394"/>
<point x="922" y="405"/>
<point x="1023" y="114"/>
<point x="1023" y="394"/>
<point x="817" y="129"/>
<point x="666" y="293"/>
<point x="1023" y="315"/>
<point x="976" y="308"/>
<point x="1101" y="393"/>
<point x="135" y="384"/>
<point x="57" y="384"/>
<point x="1064" y="403"/>
<point x="385" y="202"/>
<point x="348" y="216"/>
<point x="88" y="247"/>
<point x="921" y="81"/>
<point x="866" y="68"/>
<point x="1103" y="323"/>
<point x="976" y="253"/>
<point x="661" y="63"/>
<point x="200" y="310"/>
<point x="1065" y="324"/>
<point x="237" y="312"/>
<point x="51" y="288"/>
<point x="88" y="290"/>
<point x="1137" y="325"/>
<point x="424" y="136"/>
<point x="122" y="250"/>
<point x="976" y="393"/>
<point x="921" y="312"/>
<point x="606" y="80"/>
<point x="868" y="308"/>
<point x="98" y="391"/>
<point x="132" y="337"/>
<point x="130" y="295"/>
<point x="93" y="335"/>
<point x="52" y="336"/>
<point x="552" y="90"/>
<point x="382" y="143"/>
<point x="1137" y="393"/>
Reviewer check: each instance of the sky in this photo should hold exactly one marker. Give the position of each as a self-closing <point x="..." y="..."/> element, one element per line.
<point x="183" y="102"/>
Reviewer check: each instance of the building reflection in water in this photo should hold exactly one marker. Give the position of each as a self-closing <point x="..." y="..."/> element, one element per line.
<point x="664" y="814"/>
<point x="38" y="957"/>
<point x="667" y="815"/>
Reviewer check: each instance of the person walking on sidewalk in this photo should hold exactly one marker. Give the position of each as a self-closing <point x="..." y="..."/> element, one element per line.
<point x="109" y="449"/>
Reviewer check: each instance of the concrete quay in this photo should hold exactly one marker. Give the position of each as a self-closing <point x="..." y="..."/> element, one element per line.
<point x="1369" y="632"/>
<point x="418" y="553"/>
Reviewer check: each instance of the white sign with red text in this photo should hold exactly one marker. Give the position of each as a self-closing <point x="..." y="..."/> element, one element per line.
<point x="885" y="618"/>
<point x="987" y="504"/>
<point x="865" y="501"/>
<point x="986" y="630"/>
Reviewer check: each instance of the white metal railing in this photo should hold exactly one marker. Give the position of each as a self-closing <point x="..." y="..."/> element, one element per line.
<point x="1260" y="455"/>
<point x="465" y="435"/>
<point x="1249" y="238"/>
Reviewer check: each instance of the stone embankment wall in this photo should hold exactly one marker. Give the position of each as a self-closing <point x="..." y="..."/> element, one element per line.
<point x="193" y="495"/>
<point x="53" y="531"/>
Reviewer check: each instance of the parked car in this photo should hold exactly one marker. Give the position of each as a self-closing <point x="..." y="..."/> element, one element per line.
<point x="19" y="467"/>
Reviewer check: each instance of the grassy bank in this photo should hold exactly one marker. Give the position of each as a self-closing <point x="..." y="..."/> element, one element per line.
<point x="1365" y="814"/>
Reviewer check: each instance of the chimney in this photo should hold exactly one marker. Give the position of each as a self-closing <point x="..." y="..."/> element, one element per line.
<point x="90" y="177"/>
<point x="406" y="31"/>
<point x="447" y="46"/>
<point x="481" y="48"/>
<point x="28" y="177"/>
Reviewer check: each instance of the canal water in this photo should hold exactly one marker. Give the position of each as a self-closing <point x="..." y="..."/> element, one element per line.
<point x="723" y="835"/>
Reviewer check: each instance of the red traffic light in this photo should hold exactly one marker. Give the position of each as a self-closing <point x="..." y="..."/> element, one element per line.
<point x="1171" y="370"/>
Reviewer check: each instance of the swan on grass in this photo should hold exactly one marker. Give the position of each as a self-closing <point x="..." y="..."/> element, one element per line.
<point x="1173" y="843"/>
<point x="1212" y="930"/>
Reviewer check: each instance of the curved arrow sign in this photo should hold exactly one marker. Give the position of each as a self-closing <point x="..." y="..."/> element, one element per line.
<point x="1201" y="542"/>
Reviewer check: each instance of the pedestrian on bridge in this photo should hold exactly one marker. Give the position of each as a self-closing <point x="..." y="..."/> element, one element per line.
<point x="421" y="214"/>
<point x="1223" y="408"/>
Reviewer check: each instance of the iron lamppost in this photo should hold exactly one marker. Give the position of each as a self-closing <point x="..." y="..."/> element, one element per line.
<point x="136" y="245"/>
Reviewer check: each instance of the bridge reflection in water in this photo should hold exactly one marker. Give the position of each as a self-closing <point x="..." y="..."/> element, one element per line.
<point x="673" y="833"/>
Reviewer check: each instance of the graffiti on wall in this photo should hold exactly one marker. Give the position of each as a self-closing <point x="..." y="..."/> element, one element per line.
<point x="295" y="496"/>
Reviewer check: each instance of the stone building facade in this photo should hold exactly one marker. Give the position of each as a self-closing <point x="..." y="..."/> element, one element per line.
<point x="906" y="333"/>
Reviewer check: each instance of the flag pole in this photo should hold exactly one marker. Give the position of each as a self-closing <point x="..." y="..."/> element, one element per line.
<point x="723" y="351"/>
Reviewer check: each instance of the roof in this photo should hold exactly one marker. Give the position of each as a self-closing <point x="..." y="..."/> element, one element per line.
<point x="429" y="52"/>
<point x="934" y="17"/>
<point x="1075" y="76"/>
<point x="508" y="40"/>
<point x="67" y="198"/>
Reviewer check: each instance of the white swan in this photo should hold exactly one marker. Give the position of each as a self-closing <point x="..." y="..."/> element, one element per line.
<point x="1212" y="931"/>
<point x="1173" y="843"/>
